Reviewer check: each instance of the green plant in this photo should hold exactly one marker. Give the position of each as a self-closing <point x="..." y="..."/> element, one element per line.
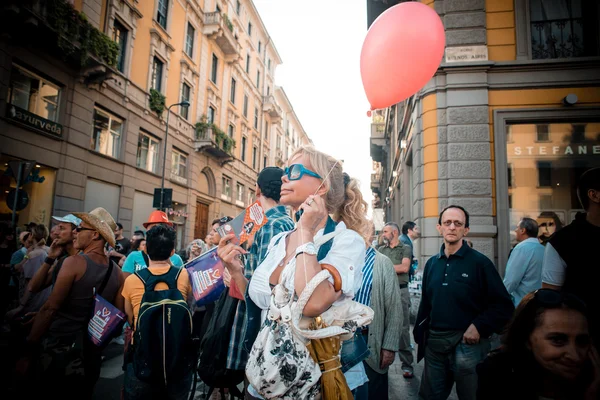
<point x="77" y="37"/>
<point x="201" y="127"/>
<point x="228" y="22"/>
<point x="157" y="102"/>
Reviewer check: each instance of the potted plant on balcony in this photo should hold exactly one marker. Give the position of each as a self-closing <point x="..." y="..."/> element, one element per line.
<point x="157" y="102"/>
<point x="202" y="128"/>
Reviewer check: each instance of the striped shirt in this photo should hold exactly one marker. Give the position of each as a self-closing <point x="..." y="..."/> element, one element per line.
<point x="363" y="296"/>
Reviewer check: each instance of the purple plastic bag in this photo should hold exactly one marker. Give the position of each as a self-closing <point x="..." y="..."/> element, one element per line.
<point x="105" y="321"/>
<point x="206" y="276"/>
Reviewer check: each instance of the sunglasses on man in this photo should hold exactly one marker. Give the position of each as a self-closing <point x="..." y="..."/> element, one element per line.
<point x="296" y="171"/>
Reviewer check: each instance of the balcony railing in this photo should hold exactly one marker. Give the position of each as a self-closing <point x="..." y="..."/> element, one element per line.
<point x="559" y="38"/>
<point x="55" y="27"/>
<point x="270" y="106"/>
<point x="215" y="143"/>
<point x="218" y="27"/>
<point x="378" y="141"/>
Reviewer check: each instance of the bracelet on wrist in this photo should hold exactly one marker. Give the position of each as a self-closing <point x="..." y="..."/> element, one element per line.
<point x="50" y="260"/>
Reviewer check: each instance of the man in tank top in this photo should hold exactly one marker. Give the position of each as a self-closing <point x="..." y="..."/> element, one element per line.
<point x="69" y="362"/>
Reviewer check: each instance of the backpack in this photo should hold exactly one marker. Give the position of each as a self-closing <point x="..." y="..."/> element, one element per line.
<point x="212" y="367"/>
<point x="163" y="347"/>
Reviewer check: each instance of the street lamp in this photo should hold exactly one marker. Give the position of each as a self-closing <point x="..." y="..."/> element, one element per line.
<point x="186" y="104"/>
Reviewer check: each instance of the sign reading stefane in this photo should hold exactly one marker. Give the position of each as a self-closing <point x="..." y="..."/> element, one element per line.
<point x="556" y="150"/>
<point x="33" y="121"/>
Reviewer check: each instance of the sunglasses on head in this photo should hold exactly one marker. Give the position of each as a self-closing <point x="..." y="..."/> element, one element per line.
<point x="224" y="220"/>
<point x="554" y="298"/>
<point x="297" y="171"/>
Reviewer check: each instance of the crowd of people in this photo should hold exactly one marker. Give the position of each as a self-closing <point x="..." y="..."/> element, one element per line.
<point x="315" y="268"/>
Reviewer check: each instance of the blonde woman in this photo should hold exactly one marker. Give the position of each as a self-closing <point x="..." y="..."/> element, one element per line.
<point x="315" y="185"/>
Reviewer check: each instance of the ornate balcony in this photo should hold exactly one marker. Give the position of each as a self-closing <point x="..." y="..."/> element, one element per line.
<point x="212" y="141"/>
<point x="378" y="141"/>
<point x="270" y="106"/>
<point x="376" y="182"/>
<point x="219" y="28"/>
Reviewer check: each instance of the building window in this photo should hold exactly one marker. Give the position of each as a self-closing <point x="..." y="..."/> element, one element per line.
<point x="542" y="132"/>
<point x="211" y="115"/>
<point x="255" y="117"/>
<point x="254" y="157"/>
<point x="269" y="65"/>
<point x="214" y="68"/>
<point x="278" y="142"/>
<point x="268" y="90"/>
<point x="179" y="164"/>
<point x="161" y="14"/>
<point x="226" y="188"/>
<point x="249" y="28"/>
<point x="563" y="28"/>
<point x="231" y="130"/>
<point x="544" y="174"/>
<point x="120" y="37"/>
<point x="258" y="79"/>
<point x="240" y="193"/>
<point x="251" y="197"/>
<point x="106" y="137"/>
<point x="185" y="96"/>
<point x="265" y="162"/>
<point x="147" y="153"/>
<point x="157" y="73"/>
<point x="243" y="150"/>
<point x="245" y="108"/>
<point x="238" y="7"/>
<point x="232" y="91"/>
<point x="189" y="40"/>
<point x="248" y="63"/>
<point x="578" y="133"/>
<point x="259" y="46"/>
<point x="34" y="94"/>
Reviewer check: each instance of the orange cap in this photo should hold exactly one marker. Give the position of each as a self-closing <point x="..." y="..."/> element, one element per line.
<point x="157" y="217"/>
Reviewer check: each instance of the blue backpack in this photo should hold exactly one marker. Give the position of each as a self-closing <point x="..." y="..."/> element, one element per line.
<point x="163" y="348"/>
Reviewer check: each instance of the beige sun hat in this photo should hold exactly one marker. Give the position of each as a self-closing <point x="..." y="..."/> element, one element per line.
<point x="102" y="222"/>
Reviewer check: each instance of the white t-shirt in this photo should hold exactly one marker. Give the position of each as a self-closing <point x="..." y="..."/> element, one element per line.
<point x="554" y="267"/>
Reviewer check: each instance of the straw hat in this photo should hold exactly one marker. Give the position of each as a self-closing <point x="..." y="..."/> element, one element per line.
<point x="102" y="222"/>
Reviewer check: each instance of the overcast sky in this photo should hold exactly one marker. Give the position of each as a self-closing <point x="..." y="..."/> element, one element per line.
<point x="319" y="42"/>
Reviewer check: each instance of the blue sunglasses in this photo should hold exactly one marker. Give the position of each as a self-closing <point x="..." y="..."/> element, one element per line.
<point x="296" y="171"/>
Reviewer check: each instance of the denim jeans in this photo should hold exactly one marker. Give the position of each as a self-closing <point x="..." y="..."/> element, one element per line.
<point x="136" y="389"/>
<point x="442" y="370"/>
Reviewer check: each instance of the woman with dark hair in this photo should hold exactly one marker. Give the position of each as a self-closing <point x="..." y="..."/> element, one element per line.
<point x="139" y="245"/>
<point x="546" y="353"/>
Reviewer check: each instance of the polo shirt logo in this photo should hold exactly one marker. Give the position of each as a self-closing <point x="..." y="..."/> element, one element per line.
<point x="465" y="275"/>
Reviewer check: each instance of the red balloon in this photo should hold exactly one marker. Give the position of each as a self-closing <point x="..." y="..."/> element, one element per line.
<point x="402" y="51"/>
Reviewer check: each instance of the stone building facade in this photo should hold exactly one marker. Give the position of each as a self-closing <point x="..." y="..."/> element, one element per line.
<point x="504" y="128"/>
<point x="93" y="130"/>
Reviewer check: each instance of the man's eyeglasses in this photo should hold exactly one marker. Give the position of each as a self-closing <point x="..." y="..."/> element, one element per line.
<point x="81" y="228"/>
<point x="296" y="171"/>
<point x="457" y="224"/>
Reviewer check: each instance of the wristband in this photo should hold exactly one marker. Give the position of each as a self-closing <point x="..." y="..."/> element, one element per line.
<point x="50" y="260"/>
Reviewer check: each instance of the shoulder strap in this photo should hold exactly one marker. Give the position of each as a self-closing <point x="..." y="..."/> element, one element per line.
<point x="325" y="247"/>
<point x="106" y="276"/>
<point x="146" y="259"/>
<point x="150" y="280"/>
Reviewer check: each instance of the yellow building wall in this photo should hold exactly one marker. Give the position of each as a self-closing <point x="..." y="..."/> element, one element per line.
<point x="140" y="58"/>
<point x="500" y="26"/>
<point x="534" y="98"/>
<point x="427" y="2"/>
<point x="430" y="156"/>
<point x="177" y="31"/>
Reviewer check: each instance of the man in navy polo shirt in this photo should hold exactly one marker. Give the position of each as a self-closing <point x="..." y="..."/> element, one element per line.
<point x="463" y="302"/>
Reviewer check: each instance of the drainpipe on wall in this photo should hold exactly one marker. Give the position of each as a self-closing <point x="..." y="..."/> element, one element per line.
<point x="262" y="106"/>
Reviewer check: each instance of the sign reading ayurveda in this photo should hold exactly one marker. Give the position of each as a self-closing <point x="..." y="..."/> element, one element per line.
<point x="33" y="121"/>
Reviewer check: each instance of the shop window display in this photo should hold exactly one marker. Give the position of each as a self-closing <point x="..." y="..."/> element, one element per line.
<point x="543" y="174"/>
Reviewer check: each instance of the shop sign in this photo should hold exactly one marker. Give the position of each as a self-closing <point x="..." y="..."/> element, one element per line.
<point x="569" y="150"/>
<point x="30" y="120"/>
<point x="466" y="54"/>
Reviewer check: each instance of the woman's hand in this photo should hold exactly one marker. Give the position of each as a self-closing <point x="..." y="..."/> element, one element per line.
<point x="231" y="254"/>
<point x="313" y="215"/>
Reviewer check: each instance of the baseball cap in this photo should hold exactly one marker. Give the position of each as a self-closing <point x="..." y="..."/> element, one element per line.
<point x="269" y="182"/>
<point x="69" y="218"/>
